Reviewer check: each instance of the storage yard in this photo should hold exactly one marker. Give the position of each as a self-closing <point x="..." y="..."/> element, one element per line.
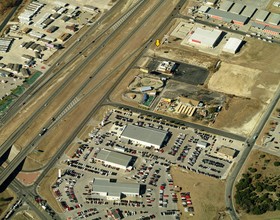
<point x="41" y="30"/>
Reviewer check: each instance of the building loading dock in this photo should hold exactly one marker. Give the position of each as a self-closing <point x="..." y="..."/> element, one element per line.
<point x="114" y="159"/>
<point x="146" y="136"/>
<point x="227" y="16"/>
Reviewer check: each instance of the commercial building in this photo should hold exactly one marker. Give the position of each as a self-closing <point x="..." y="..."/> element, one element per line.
<point x="226" y="5"/>
<point x="232" y="45"/>
<point x="227" y="152"/>
<point x="202" y="144"/>
<point x="114" y="159"/>
<point x="248" y="11"/>
<point x="146" y="136"/>
<point x="273" y="19"/>
<point x="113" y="190"/>
<point x="227" y="16"/>
<point x="261" y="15"/>
<point x="237" y="8"/>
<point x="206" y="38"/>
<point x="167" y="67"/>
<point x="211" y="2"/>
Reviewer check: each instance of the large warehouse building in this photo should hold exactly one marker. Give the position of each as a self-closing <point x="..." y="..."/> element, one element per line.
<point x="232" y="45"/>
<point x="114" y="159"/>
<point x="206" y="38"/>
<point x="113" y="190"/>
<point x="146" y="136"/>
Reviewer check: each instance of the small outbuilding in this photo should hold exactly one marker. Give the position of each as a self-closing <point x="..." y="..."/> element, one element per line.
<point x="233" y="45"/>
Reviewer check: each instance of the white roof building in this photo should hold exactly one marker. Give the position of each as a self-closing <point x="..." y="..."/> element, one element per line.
<point x="232" y="45"/>
<point x="114" y="190"/>
<point x="207" y="38"/>
<point x="145" y="136"/>
<point x="114" y="159"/>
<point x="202" y="144"/>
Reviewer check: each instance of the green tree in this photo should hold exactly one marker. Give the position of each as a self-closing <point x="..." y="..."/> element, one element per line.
<point x="277" y="163"/>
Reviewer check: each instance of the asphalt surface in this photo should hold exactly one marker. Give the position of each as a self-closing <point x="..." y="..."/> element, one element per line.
<point x="7" y="19"/>
<point x="250" y="145"/>
<point x="20" y="130"/>
<point x="23" y="153"/>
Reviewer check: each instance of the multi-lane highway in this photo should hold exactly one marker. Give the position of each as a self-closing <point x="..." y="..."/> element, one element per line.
<point x="32" y="91"/>
<point x="20" y="157"/>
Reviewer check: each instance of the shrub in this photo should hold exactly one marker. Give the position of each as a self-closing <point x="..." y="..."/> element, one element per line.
<point x="257" y="176"/>
<point x="277" y="163"/>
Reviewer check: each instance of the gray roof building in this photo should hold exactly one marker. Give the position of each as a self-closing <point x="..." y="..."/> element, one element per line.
<point x="258" y="25"/>
<point x="273" y="19"/>
<point x="225" y="6"/>
<point x="237" y="8"/>
<point x="262" y="15"/>
<point x="249" y="11"/>
<point x="112" y="157"/>
<point x="145" y="135"/>
<point x="113" y="189"/>
<point x="227" y="16"/>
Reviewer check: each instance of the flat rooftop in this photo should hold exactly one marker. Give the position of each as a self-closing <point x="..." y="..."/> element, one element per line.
<point x="146" y="134"/>
<point x="114" y="157"/>
<point x="227" y="16"/>
<point x="206" y="37"/>
<point x="113" y="188"/>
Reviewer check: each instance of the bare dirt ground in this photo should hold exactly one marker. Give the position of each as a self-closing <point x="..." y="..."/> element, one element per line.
<point x="28" y="178"/>
<point x="55" y="137"/>
<point x="272" y="8"/>
<point x="46" y="192"/>
<point x="7" y="198"/>
<point x="255" y="160"/>
<point x="25" y="215"/>
<point x="207" y="194"/>
<point x="254" y="73"/>
<point x="240" y="116"/>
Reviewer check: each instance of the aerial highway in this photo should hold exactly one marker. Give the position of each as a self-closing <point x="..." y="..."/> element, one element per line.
<point x="250" y="142"/>
<point x="21" y="156"/>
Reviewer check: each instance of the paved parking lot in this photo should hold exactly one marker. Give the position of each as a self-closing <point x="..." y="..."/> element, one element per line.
<point x="184" y="73"/>
<point x="151" y="168"/>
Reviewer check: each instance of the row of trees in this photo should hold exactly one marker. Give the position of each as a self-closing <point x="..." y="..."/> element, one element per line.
<point x="255" y="196"/>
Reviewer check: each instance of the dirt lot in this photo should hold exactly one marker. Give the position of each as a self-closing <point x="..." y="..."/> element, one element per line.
<point x="237" y="119"/>
<point x="272" y="8"/>
<point x="6" y="199"/>
<point x="25" y="215"/>
<point x="207" y="194"/>
<point x="257" y="160"/>
<point x="46" y="192"/>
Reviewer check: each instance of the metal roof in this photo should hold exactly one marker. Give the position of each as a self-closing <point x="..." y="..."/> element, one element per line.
<point x="227" y="15"/>
<point x="149" y="135"/>
<point x="272" y="29"/>
<point x="237" y="8"/>
<point x="114" y="157"/>
<point x="262" y="15"/>
<point x="258" y="25"/>
<point x="248" y="11"/>
<point x="273" y="18"/>
<point x="205" y="37"/>
<point x="225" y="6"/>
<point x="114" y="188"/>
<point x="232" y="45"/>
